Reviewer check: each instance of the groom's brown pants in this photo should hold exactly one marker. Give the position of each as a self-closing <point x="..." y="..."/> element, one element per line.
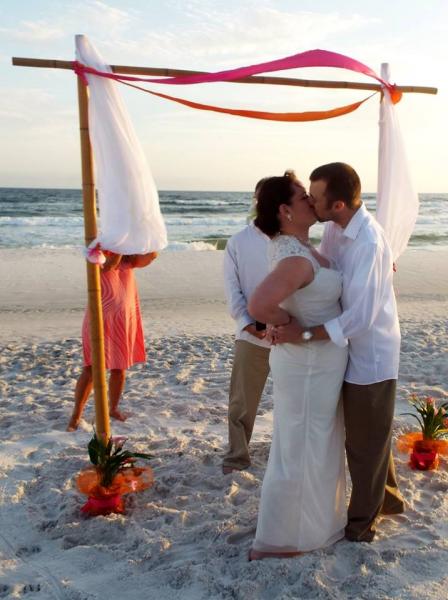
<point x="368" y="414"/>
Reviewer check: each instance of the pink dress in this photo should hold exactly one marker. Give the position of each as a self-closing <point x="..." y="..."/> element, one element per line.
<point x="123" y="332"/>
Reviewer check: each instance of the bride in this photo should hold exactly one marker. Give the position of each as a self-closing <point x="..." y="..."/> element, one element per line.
<point x="302" y="504"/>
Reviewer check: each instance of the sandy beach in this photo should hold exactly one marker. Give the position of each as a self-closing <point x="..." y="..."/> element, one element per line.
<point x="188" y="536"/>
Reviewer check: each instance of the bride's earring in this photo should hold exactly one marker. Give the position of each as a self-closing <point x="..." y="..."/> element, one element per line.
<point x="289" y="217"/>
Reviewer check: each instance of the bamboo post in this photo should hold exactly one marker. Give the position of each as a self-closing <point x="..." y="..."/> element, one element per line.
<point x="385" y="74"/>
<point x="93" y="271"/>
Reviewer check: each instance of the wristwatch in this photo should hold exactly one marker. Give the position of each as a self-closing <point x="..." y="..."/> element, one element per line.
<point x="307" y="335"/>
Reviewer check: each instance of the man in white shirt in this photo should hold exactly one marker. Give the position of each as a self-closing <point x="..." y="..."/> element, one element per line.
<point x="355" y="244"/>
<point x="245" y="267"/>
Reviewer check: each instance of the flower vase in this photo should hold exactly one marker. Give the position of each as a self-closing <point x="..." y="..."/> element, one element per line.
<point x="424" y="456"/>
<point x="103" y="505"/>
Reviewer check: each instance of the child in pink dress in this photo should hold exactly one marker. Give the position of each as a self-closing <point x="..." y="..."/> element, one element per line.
<point x="123" y="332"/>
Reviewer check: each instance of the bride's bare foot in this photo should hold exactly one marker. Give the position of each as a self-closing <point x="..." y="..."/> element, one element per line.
<point x="73" y="424"/>
<point x="119" y="416"/>
<point x="257" y="555"/>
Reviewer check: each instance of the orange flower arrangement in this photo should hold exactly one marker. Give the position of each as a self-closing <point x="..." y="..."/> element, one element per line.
<point x="425" y="445"/>
<point x="112" y="476"/>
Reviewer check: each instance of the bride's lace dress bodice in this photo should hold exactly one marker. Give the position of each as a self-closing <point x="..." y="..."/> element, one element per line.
<point x="318" y="302"/>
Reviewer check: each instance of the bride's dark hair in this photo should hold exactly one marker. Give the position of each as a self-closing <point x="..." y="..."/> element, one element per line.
<point x="273" y="192"/>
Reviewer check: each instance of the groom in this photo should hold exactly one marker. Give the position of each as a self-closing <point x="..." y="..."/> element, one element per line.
<point x="356" y="245"/>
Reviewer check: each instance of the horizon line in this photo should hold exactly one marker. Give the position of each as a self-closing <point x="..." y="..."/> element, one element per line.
<point x="10" y="187"/>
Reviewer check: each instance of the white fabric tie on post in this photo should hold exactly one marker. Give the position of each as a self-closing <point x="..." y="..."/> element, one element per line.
<point x="130" y="217"/>
<point x="397" y="203"/>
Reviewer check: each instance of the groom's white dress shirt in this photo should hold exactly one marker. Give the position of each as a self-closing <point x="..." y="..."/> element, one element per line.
<point x="369" y="321"/>
<point x="245" y="267"/>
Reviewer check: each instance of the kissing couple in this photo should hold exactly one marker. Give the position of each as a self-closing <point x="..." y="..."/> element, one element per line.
<point x="334" y="362"/>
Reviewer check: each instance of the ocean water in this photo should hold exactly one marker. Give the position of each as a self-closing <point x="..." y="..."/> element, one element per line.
<point x="52" y="218"/>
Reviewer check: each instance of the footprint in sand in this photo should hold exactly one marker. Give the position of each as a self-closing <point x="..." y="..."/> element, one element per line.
<point x="183" y="375"/>
<point x="236" y="495"/>
<point x="210" y="460"/>
<point x="198" y="385"/>
<point x="25" y="551"/>
<point x="430" y="497"/>
<point x="419" y="538"/>
<point x="5" y="590"/>
<point x="31" y="587"/>
<point x="391" y="555"/>
<point x="240" y="535"/>
<point x="214" y="483"/>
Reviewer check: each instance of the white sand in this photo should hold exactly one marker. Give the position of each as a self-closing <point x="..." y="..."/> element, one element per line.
<point x="187" y="537"/>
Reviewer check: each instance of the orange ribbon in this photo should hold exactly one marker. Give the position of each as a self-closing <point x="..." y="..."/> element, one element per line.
<point x="406" y="442"/>
<point x="290" y="117"/>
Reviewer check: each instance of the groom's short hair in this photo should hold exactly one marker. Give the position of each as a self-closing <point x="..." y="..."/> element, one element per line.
<point x="342" y="181"/>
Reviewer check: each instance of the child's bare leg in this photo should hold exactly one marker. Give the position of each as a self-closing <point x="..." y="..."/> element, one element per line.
<point x="82" y="393"/>
<point x="116" y="384"/>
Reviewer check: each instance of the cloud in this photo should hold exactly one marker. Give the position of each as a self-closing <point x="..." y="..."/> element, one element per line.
<point x="96" y="16"/>
<point x="42" y="111"/>
<point x="225" y="33"/>
<point x="33" y="31"/>
<point x="191" y="33"/>
<point x="250" y="31"/>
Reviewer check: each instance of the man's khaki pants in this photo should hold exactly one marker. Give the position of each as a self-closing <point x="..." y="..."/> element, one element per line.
<point x="368" y="414"/>
<point x="249" y="373"/>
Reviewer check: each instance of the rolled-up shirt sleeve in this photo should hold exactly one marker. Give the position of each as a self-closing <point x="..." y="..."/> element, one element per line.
<point x="236" y="300"/>
<point x="362" y="295"/>
<point x="335" y="333"/>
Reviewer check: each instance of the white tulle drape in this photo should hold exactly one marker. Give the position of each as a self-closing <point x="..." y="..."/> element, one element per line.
<point x="130" y="217"/>
<point x="397" y="203"/>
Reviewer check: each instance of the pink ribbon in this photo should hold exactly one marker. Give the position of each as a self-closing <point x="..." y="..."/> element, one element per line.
<point x="95" y="255"/>
<point x="311" y="58"/>
<point x="80" y="71"/>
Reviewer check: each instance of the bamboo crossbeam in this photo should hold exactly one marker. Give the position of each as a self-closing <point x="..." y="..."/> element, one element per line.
<point x="260" y="79"/>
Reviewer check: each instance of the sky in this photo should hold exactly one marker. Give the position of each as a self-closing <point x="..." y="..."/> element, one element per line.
<point x="194" y="150"/>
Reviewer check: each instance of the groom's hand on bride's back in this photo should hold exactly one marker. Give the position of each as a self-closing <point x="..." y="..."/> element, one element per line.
<point x="288" y="334"/>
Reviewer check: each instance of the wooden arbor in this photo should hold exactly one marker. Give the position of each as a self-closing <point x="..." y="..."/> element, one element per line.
<point x="88" y="187"/>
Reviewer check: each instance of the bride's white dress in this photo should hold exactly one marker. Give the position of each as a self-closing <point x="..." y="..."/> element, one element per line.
<point x="302" y="504"/>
